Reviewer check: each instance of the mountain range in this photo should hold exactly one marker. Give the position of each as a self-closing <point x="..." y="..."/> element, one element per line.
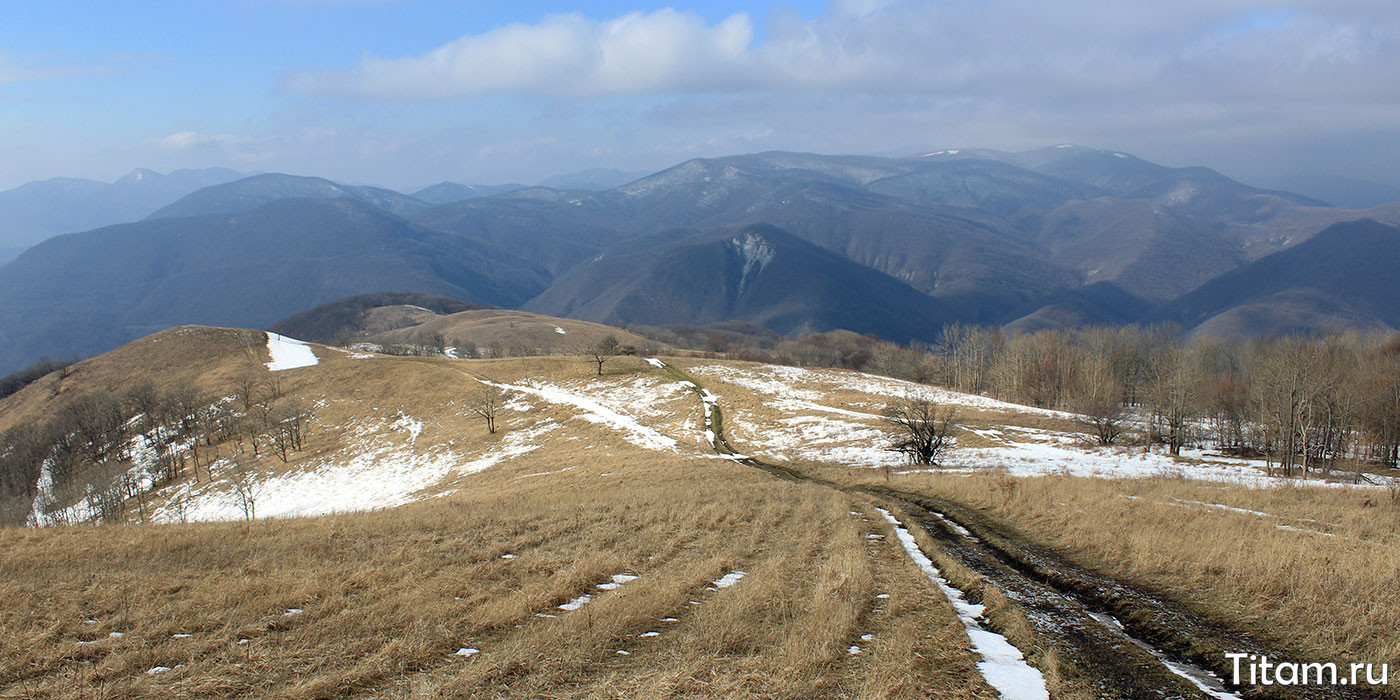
<point x="795" y="242"/>
<point x="37" y="210"/>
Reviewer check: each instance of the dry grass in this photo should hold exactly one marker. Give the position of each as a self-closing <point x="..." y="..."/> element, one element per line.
<point x="1319" y="575"/>
<point x="387" y="597"/>
<point x="506" y="329"/>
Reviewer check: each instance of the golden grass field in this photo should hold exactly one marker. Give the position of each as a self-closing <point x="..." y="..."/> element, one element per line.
<point x="388" y="597"/>
<point x="506" y="330"/>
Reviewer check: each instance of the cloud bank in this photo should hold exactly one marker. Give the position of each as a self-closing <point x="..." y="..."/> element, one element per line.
<point x="1226" y="51"/>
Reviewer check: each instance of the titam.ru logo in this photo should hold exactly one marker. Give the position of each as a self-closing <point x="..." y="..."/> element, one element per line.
<point x="1256" y="669"/>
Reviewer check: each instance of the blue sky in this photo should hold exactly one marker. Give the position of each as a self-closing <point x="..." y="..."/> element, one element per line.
<point x="406" y="93"/>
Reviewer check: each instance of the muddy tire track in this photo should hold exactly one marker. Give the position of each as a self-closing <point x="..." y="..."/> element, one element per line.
<point x="1118" y="640"/>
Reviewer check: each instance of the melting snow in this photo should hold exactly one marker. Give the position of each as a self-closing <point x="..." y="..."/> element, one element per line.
<point x="1003" y="665"/>
<point x="373" y="471"/>
<point x="617" y="580"/>
<point x="560" y="331"/>
<point x="594" y="411"/>
<point x="288" y="353"/>
<point x="467" y="651"/>
<point x="576" y="603"/>
<point x="729" y="579"/>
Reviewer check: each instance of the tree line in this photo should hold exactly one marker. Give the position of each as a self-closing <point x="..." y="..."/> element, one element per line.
<point x="1304" y="404"/>
<point x="91" y="447"/>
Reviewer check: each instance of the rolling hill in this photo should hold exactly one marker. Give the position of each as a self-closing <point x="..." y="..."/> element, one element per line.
<point x="358" y="316"/>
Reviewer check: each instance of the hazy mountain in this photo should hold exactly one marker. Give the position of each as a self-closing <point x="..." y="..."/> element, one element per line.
<point x="1344" y="277"/>
<point x="445" y="192"/>
<point x="1341" y="191"/>
<point x="1047" y="238"/>
<point x="592" y="179"/>
<point x="753" y="273"/>
<point x="252" y="192"/>
<point x="36" y="210"/>
<point x="8" y="254"/>
<point x="79" y="294"/>
<point x="542" y="226"/>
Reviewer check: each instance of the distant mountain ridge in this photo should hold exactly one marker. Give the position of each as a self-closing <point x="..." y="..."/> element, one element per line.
<point x="36" y="210"/>
<point x="793" y="242"/>
<point x="1344" y="277"/>
<point x="447" y="192"/>
<point x="252" y="192"/>
<point x="80" y="294"/>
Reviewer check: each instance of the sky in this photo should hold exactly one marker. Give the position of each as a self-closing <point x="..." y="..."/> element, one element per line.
<point x="407" y="93"/>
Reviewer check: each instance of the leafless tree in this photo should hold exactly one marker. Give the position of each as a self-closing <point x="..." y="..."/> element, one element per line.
<point x="486" y="403"/>
<point x="919" y="429"/>
<point x="605" y="349"/>
<point x="246" y="488"/>
<point x="1172" y="398"/>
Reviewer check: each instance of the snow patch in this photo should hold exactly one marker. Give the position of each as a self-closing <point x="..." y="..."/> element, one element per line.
<point x="1003" y="665"/>
<point x="288" y="353"/>
<point x="595" y="412"/>
<point x="729" y="579"/>
<point x="373" y="471"/>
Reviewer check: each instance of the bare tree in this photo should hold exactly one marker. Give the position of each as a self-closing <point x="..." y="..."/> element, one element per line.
<point x="919" y="429"/>
<point x="486" y="403"/>
<point x="1171" y="397"/>
<point x="246" y="488"/>
<point x="603" y="350"/>
<point x="1097" y="395"/>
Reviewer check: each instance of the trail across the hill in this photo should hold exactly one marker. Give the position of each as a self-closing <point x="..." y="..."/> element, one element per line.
<point x="1110" y="639"/>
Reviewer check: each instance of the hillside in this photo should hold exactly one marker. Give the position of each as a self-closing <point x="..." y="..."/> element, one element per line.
<point x="359" y="315"/>
<point x="610" y="541"/>
<point x="85" y="293"/>
<point x="504" y="332"/>
<point x="1341" y="278"/>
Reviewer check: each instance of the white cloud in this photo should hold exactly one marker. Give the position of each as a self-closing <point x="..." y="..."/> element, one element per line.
<point x="570" y="54"/>
<point x="1226" y="49"/>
